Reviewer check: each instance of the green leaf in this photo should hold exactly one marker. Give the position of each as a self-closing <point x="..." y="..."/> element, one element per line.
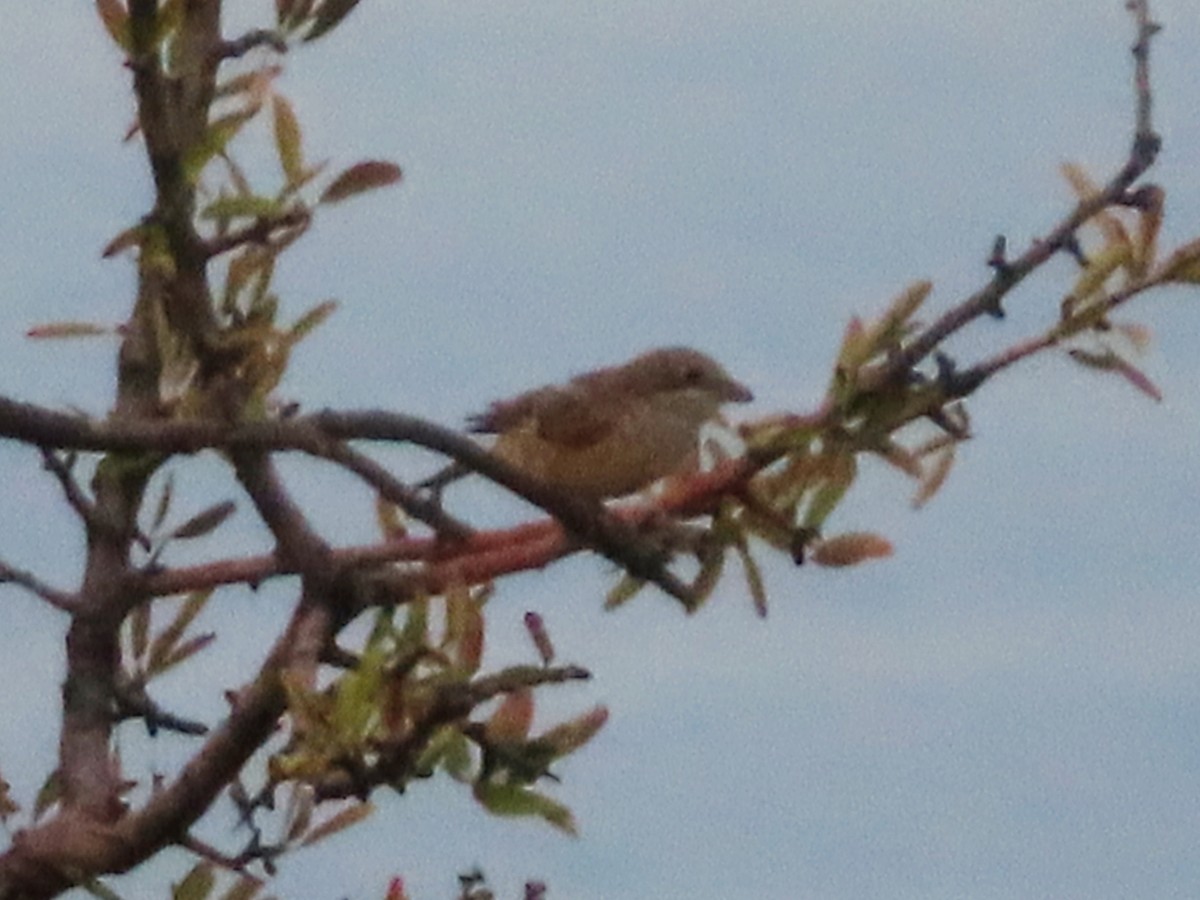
<point x="206" y="521"/>
<point x="287" y="141"/>
<point x="139" y="630"/>
<point x="184" y="651"/>
<point x="518" y="800"/>
<point x="241" y="206"/>
<point x="826" y="497"/>
<point x="754" y="579"/>
<point x="164" y="502"/>
<point x="215" y="138"/>
<point x="311" y="319"/>
<point x="165" y="642"/>
<point x="363" y="176"/>
<point x="197" y="884"/>
<point x="623" y="591"/>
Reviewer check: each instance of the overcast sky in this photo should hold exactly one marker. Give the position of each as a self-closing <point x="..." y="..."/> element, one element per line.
<point x="1008" y="708"/>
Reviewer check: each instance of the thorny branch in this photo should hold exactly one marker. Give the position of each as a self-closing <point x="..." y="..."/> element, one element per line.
<point x="94" y="831"/>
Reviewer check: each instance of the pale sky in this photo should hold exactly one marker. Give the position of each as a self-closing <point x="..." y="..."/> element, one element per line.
<point x="1007" y="708"/>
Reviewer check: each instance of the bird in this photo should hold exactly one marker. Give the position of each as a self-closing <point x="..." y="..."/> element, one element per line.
<point x="613" y="431"/>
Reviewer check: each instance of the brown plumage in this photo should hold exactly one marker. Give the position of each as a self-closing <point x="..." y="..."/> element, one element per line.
<point x="615" y="430"/>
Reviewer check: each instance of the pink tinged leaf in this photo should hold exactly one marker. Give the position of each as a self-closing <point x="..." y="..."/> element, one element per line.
<point x="116" y="21"/>
<point x="574" y="733"/>
<point x="512" y="719"/>
<point x="850" y="549"/>
<point x="70" y="330"/>
<point x="541" y="639"/>
<point x="363" y="176"/>
<point x="932" y="482"/>
<point x="1139" y="380"/>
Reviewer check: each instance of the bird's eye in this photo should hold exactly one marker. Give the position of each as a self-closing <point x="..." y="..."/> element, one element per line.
<point x="693" y="375"/>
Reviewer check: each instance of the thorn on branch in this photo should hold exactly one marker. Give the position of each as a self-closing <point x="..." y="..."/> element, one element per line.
<point x="1071" y="246"/>
<point x="954" y="383"/>
<point x="134" y="703"/>
<point x="1004" y="275"/>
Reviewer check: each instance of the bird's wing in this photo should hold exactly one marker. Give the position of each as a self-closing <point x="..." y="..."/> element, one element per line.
<point x="570" y="415"/>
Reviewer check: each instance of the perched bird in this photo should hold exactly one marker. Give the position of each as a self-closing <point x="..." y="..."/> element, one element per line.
<point x="612" y="431"/>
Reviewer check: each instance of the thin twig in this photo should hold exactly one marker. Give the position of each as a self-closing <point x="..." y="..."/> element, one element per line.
<point x="987" y="300"/>
<point x="395" y="491"/>
<point x="56" y="598"/>
<point x="61" y="469"/>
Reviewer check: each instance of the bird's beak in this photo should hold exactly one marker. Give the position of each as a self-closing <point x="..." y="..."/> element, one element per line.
<point x="736" y="392"/>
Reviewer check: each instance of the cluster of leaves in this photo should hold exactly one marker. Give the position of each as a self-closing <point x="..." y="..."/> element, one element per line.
<point x="1123" y="263"/>
<point x="250" y="229"/>
<point x="400" y="712"/>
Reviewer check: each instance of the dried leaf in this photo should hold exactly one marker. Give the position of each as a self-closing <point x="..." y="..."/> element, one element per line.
<point x="164" y="643"/>
<point x="184" y="651"/>
<point x="116" y="21"/>
<point x="933" y="480"/>
<point x="351" y="815"/>
<point x="311" y="319"/>
<point x="390" y="519"/>
<point x="363" y="176"/>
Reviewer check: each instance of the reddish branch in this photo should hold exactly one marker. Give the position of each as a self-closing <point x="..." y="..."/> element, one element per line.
<point x="93" y="832"/>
